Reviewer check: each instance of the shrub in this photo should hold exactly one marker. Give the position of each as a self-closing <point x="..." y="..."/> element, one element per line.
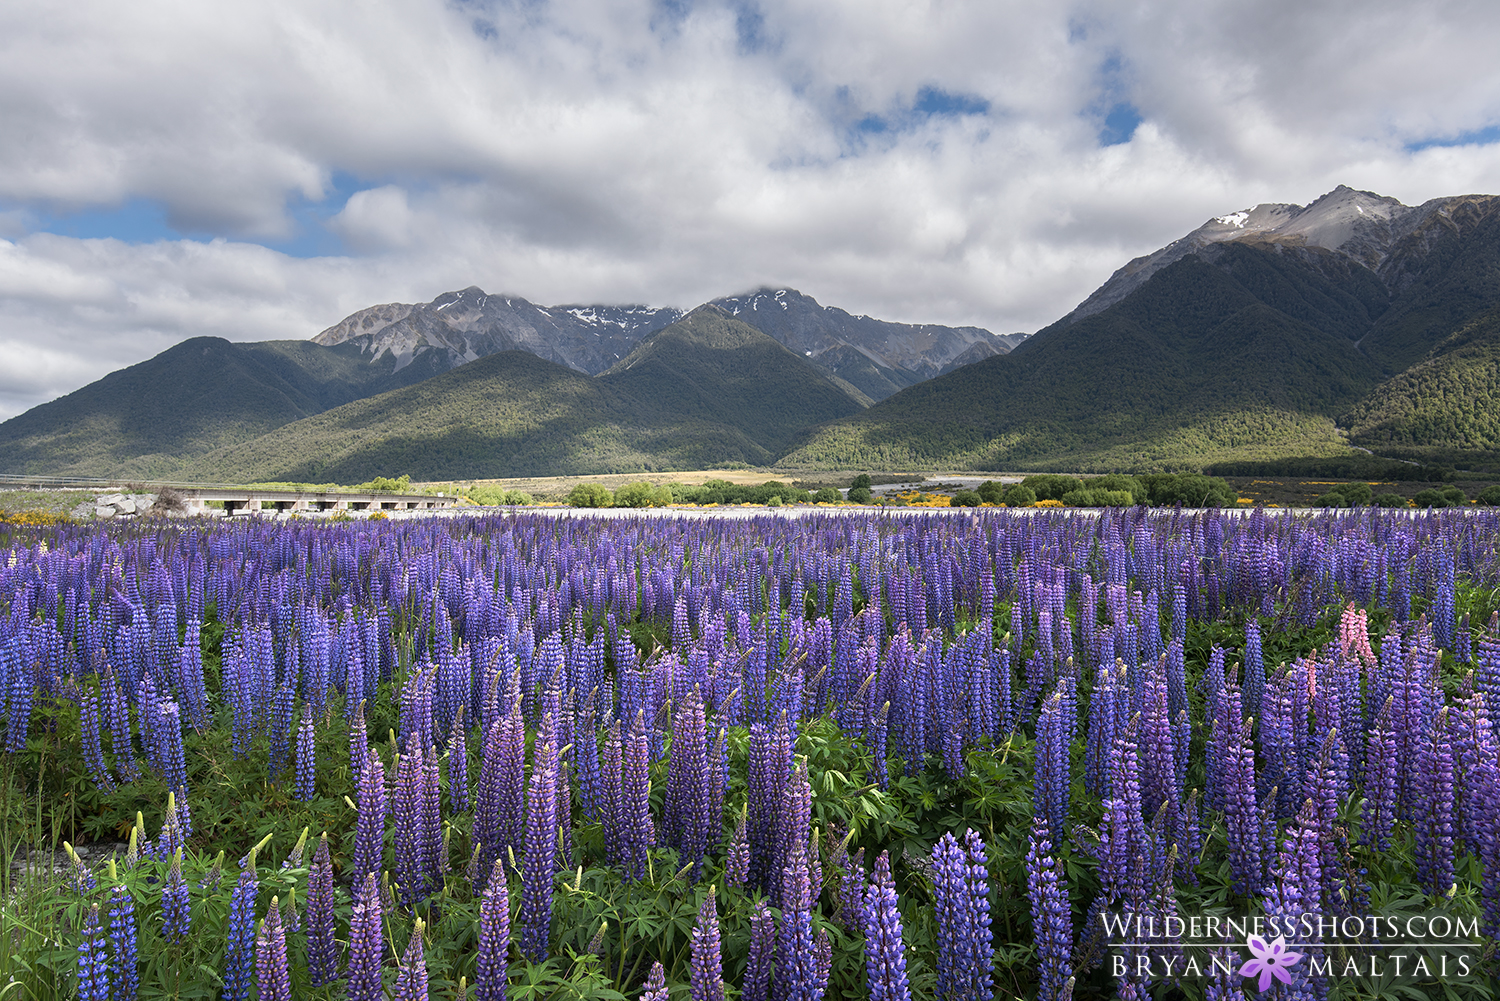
<point x="1020" y="495"/>
<point x="1454" y="496"/>
<point x="1330" y="499"/>
<point x="1354" y="494"/>
<point x="1095" y="497"/>
<point x="860" y="495"/>
<point x="642" y="495"/>
<point x="590" y="495"/>
<point x="1388" y="500"/>
<point x="965" y="498"/>
<point x="827" y="495"/>
<point x="1490" y="496"/>
<point x="517" y="497"/>
<point x="1052" y="486"/>
<point x="1120" y="481"/>
<point x="1430" y="498"/>
<point x="1188" y="489"/>
<point x="991" y="492"/>
<point x="862" y="480"/>
<point x="773" y="501"/>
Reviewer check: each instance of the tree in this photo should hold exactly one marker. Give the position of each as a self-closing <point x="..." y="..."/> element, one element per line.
<point x="1020" y="495"/>
<point x="590" y="495"/>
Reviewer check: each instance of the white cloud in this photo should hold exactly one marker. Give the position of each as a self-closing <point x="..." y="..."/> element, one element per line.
<point x="631" y="150"/>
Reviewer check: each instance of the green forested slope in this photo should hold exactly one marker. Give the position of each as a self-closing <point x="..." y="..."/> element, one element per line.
<point x="152" y="418"/>
<point x="711" y="367"/>
<point x="1234" y="353"/>
<point x="706" y="391"/>
<point x="1447" y="403"/>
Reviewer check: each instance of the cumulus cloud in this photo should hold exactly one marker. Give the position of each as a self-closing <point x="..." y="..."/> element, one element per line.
<point x="925" y="161"/>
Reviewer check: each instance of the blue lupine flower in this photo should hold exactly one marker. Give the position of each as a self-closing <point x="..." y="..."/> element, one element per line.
<point x="885" y="953"/>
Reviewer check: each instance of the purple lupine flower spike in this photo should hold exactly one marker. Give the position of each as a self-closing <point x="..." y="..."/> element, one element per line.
<point x="322" y="949"/>
<point x="93" y="960"/>
<point x="762" y="956"/>
<point x="239" y="954"/>
<point x="1051" y="918"/>
<point x="980" y="937"/>
<point x="176" y="904"/>
<point x="458" y="766"/>
<point x="125" y="965"/>
<point x="370" y="824"/>
<point x="796" y="978"/>
<point x="708" y="963"/>
<point x="411" y="983"/>
<point x="655" y="988"/>
<point x="272" y="978"/>
<point x="307" y="761"/>
<point x="950" y="911"/>
<point x="362" y="979"/>
<point x="541" y="850"/>
<point x="494" y="938"/>
<point x="885" y="953"/>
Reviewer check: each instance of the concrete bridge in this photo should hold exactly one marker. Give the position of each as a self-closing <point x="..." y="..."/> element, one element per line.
<point x="246" y="501"/>
<point x="117" y="497"/>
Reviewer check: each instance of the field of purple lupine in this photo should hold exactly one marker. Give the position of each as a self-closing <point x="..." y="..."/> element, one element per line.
<point x="956" y="756"/>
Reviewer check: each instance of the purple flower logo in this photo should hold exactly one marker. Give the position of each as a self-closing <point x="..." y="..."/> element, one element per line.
<point x="1271" y="961"/>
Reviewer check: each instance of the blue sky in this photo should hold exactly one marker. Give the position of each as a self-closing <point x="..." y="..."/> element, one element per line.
<point x="258" y="170"/>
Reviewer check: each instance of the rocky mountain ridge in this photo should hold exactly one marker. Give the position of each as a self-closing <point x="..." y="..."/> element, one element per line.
<point x="1375" y="231"/>
<point x="878" y="357"/>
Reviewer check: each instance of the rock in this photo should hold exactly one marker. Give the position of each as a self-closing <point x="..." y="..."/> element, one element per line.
<point x="110" y="499"/>
<point x="125" y="505"/>
<point x="104" y="511"/>
<point x="82" y="511"/>
<point x="144" y="503"/>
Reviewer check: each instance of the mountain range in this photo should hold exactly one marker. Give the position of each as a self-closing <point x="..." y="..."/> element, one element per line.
<point x="160" y="417"/>
<point x="1354" y="322"/>
<point x="1278" y="331"/>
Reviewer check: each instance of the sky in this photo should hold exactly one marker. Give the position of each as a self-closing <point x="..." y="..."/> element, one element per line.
<point x="259" y="170"/>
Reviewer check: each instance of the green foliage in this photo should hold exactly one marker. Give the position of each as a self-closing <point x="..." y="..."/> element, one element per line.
<point x="1330" y="499"/>
<point x="827" y="495"/>
<point x="1355" y="494"/>
<point x="1052" y="486"/>
<point x="862" y="480"/>
<point x="1285" y="327"/>
<point x="386" y="485"/>
<point x="1490" y="496"/>
<point x="642" y="494"/>
<point x="1095" y="497"/>
<point x="1431" y="497"/>
<point x="1388" y="500"/>
<point x="590" y="495"/>
<point x="965" y="498"/>
<point x="1363" y="467"/>
<point x="1168" y="489"/>
<point x="724" y="492"/>
<point x="860" y="495"/>
<point x="1020" y="495"/>
<point x="991" y="492"/>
